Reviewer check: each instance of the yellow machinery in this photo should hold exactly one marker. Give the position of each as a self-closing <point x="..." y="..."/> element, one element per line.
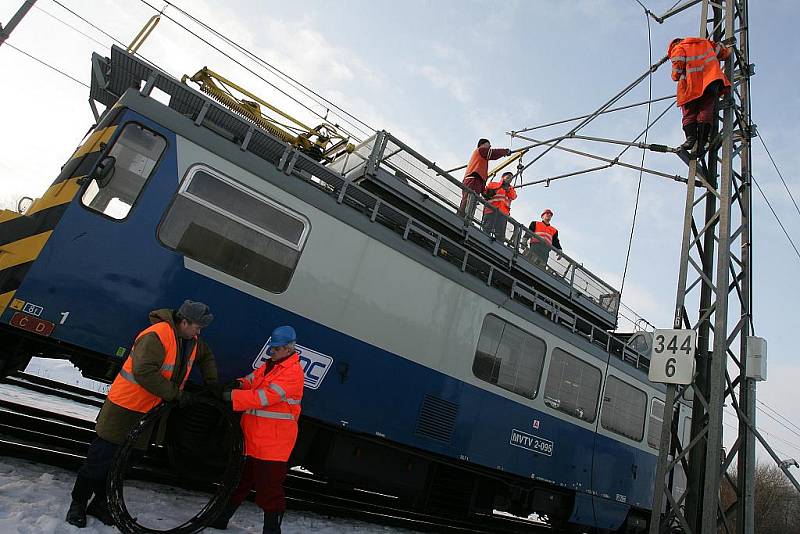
<point x="323" y="143"/>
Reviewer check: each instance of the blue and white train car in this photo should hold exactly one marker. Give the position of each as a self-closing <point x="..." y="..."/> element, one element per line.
<point x="445" y="370"/>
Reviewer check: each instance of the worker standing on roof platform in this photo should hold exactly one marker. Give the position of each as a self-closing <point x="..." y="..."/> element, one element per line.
<point x="499" y="193"/>
<point x="696" y="68"/>
<point x="477" y="172"/>
<point x="544" y="237"/>
<point x="270" y="399"/>
<point x="155" y="370"/>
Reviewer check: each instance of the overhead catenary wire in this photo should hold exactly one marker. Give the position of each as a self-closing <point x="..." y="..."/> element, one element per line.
<point x="780" y="223"/>
<point x="572" y="119"/>
<point x="610" y="161"/>
<point x="90" y="23"/>
<point x="68" y="25"/>
<point x="48" y="65"/>
<point x="644" y="153"/>
<point x="242" y="65"/>
<point x="265" y="63"/>
<point x="780" y="175"/>
<point x="602" y="108"/>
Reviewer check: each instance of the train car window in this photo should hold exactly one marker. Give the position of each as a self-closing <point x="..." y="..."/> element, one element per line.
<point x="654" y="426"/>
<point x="624" y="409"/>
<point x="121" y="176"/>
<point x="509" y="357"/>
<point x="221" y="224"/>
<point x="573" y="386"/>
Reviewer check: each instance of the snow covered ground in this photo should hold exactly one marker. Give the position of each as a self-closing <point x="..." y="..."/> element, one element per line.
<point x="34" y="500"/>
<point x="34" y="497"/>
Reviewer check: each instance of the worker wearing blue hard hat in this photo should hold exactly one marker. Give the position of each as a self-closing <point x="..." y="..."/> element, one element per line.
<point x="269" y="398"/>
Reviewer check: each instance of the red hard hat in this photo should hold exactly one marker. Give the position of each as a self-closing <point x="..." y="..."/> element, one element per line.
<point x="548" y="210"/>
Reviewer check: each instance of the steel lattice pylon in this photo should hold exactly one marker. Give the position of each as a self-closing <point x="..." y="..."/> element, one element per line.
<point x="715" y="267"/>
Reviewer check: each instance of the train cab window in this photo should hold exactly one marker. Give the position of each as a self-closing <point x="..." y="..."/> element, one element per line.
<point x="122" y="173"/>
<point x="229" y="227"/>
<point x="509" y="357"/>
<point x="624" y="408"/>
<point x="656" y="419"/>
<point x="573" y="386"/>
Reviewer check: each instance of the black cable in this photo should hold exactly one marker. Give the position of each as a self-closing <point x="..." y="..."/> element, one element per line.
<point x="48" y="65"/>
<point x="761" y="138"/>
<point x="644" y="151"/>
<point x="215" y="506"/>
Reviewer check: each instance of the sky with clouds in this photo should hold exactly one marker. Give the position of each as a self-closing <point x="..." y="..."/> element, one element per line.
<point x="441" y="74"/>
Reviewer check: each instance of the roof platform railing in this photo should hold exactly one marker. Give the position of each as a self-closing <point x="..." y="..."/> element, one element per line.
<point x="416" y="180"/>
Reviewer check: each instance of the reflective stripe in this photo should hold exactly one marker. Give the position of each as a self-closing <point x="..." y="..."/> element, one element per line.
<point x="677" y="59"/>
<point x="678" y="70"/>
<point x="262" y="396"/>
<point x="695" y="69"/>
<point x="717" y="48"/>
<point x="698" y="56"/>
<point x="270" y="415"/>
<point x="280" y="391"/>
<point x="250" y="377"/>
<point x="127" y="376"/>
<point x="167" y="367"/>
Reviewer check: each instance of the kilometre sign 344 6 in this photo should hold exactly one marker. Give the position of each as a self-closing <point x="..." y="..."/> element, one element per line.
<point x="672" y="356"/>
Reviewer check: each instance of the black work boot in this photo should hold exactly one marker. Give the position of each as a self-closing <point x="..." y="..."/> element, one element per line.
<point x="81" y="492"/>
<point x="221" y="522"/>
<point x="691" y="137"/>
<point x="98" y="508"/>
<point x="272" y="522"/>
<point x="703" y="132"/>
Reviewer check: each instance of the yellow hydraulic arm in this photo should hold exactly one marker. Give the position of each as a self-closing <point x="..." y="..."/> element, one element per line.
<point x="323" y="142"/>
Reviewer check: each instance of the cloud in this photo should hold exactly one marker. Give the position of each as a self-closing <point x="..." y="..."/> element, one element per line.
<point x="452" y="83"/>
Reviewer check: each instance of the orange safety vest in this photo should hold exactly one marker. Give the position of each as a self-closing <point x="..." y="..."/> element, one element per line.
<point x="270" y="399"/>
<point x="502" y="197"/>
<point x="543" y="233"/>
<point x="126" y="392"/>
<point x="695" y="66"/>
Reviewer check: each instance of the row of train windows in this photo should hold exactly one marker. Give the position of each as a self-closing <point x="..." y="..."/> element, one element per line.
<point x="514" y="360"/>
<point x="213" y="219"/>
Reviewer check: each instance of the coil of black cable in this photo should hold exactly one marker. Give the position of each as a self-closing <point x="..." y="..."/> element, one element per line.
<point x="216" y="504"/>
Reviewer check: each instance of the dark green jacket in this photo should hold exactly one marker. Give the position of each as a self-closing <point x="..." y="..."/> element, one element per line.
<point x="115" y="422"/>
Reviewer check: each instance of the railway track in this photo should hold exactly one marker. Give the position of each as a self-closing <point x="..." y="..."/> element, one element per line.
<point x="61" y="439"/>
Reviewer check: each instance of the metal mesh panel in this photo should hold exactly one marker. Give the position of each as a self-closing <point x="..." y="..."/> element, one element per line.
<point x="353" y="165"/>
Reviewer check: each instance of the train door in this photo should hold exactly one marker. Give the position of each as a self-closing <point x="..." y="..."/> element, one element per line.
<point x="102" y="269"/>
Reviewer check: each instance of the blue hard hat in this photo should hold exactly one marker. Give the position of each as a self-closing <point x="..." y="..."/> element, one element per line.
<point x="281" y="336"/>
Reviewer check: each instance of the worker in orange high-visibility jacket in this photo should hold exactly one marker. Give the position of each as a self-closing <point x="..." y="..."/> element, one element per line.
<point x="696" y="68"/>
<point x="545" y="238"/>
<point x="155" y="370"/>
<point x="499" y="193"/>
<point x="269" y="398"/>
<point x="476" y="174"/>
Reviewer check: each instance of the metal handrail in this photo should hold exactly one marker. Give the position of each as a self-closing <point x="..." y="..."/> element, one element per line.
<point x="602" y="294"/>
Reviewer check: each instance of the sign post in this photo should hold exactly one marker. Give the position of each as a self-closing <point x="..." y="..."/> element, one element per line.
<point x="672" y="356"/>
